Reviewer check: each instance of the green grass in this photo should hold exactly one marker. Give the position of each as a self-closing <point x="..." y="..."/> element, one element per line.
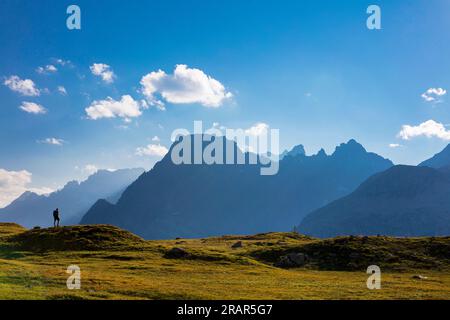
<point x="7" y="229"/>
<point x="118" y="265"/>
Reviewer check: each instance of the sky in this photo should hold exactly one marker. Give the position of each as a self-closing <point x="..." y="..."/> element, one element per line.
<point x="109" y="95"/>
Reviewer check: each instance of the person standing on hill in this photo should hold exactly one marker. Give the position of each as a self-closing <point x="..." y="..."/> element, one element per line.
<point x="56" y="218"/>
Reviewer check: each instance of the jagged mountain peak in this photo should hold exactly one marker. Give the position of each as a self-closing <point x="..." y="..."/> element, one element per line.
<point x="298" y="150"/>
<point x="352" y="146"/>
<point x="203" y="200"/>
<point x="321" y="153"/>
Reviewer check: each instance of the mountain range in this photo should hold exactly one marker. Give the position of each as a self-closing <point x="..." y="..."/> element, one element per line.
<point x="349" y="192"/>
<point x="205" y="200"/>
<point x="401" y="201"/>
<point x="73" y="200"/>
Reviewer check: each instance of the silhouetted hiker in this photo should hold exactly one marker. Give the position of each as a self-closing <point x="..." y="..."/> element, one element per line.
<point x="56" y="218"/>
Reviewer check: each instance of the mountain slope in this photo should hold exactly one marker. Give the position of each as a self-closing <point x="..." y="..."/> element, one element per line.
<point x="73" y="200"/>
<point x="402" y="201"/>
<point x="204" y="200"/>
<point x="439" y="160"/>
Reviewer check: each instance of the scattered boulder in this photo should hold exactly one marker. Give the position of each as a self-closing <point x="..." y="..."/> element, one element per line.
<point x="36" y="228"/>
<point x="419" y="277"/>
<point x="237" y="245"/>
<point x="292" y="260"/>
<point x="176" y="253"/>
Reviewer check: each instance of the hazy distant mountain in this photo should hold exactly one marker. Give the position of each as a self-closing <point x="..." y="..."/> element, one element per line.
<point x="73" y="200"/>
<point x="203" y="200"/>
<point x="442" y="159"/>
<point x="401" y="201"/>
<point x="295" y="151"/>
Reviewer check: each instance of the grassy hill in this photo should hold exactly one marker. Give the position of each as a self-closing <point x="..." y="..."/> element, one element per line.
<point x="10" y="229"/>
<point x="116" y="264"/>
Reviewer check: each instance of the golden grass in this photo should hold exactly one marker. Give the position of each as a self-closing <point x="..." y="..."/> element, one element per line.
<point x="215" y="272"/>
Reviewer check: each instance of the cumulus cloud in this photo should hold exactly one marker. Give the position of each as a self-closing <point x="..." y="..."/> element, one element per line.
<point x="434" y="94"/>
<point x="62" y="90"/>
<point x="156" y="139"/>
<point x="258" y="129"/>
<point x="186" y="85"/>
<point x="152" y="150"/>
<point x="104" y="71"/>
<point x="427" y="129"/>
<point x="14" y="183"/>
<point x="125" y="108"/>
<point x="47" y="69"/>
<point x="25" y="87"/>
<point x="32" y="107"/>
<point x="52" y="141"/>
<point x="394" y="145"/>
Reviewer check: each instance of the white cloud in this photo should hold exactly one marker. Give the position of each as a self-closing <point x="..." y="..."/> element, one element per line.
<point x="152" y="150"/>
<point x="434" y="94"/>
<point x="62" y="62"/>
<point x="25" y="87"/>
<point x="258" y="129"/>
<point x="90" y="169"/>
<point x="394" y="145"/>
<point x="32" y="107"/>
<point x="41" y="191"/>
<point x="47" y="69"/>
<point x="62" y="90"/>
<point x="104" y="71"/>
<point x="14" y="183"/>
<point x="126" y="108"/>
<point x="156" y="139"/>
<point x="428" y="129"/>
<point x="52" y="141"/>
<point x="186" y="85"/>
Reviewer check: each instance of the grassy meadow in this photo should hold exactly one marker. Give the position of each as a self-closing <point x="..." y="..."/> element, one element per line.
<point x="116" y="264"/>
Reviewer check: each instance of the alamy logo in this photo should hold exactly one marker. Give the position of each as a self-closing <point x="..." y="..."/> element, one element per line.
<point x="374" y="20"/>
<point x="73" y="22"/>
<point x="208" y="147"/>
<point x="374" y="281"/>
<point x="74" y="280"/>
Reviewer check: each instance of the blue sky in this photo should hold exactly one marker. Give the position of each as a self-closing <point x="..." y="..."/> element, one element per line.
<point x="309" y="68"/>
